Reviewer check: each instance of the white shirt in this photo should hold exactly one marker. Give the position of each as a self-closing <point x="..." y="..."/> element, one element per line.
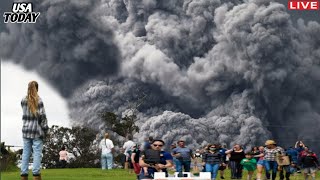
<point x="127" y="146"/>
<point x="106" y="146"/>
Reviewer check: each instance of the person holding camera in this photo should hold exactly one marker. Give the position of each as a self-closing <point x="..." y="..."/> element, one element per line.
<point x="236" y="155"/>
<point x="164" y="163"/>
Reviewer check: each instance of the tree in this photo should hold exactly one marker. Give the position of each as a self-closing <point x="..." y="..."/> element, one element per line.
<point x="77" y="140"/>
<point x="7" y="158"/>
<point x="126" y="125"/>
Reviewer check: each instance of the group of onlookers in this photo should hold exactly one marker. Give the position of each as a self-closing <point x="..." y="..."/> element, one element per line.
<point x="272" y="159"/>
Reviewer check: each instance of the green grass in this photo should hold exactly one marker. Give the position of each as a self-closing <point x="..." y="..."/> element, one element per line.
<point x="98" y="174"/>
<point x="75" y="174"/>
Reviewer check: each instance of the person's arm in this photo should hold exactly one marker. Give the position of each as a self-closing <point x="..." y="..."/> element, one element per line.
<point x="242" y="162"/>
<point x="316" y="162"/>
<point x="142" y="163"/>
<point x="174" y="153"/>
<point x="221" y="160"/>
<point x="43" y="117"/>
<point x="229" y="151"/>
<point x="259" y="155"/>
<point x="112" y="147"/>
<point x="191" y="155"/>
<point x="296" y="145"/>
<point x="133" y="155"/>
<point x="204" y="158"/>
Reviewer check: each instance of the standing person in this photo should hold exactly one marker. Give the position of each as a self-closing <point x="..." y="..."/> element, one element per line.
<point x="165" y="161"/>
<point x="34" y="128"/>
<point x="106" y="146"/>
<point x="271" y="151"/>
<point x="135" y="159"/>
<point x="175" y="160"/>
<point x="222" y="151"/>
<point x="63" y="157"/>
<point x="286" y="165"/>
<point x="121" y="157"/>
<point x="183" y="155"/>
<point x="249" y="163"/>
<point x="293" y="153"/>
<point x="147" y="143"/>
<point x="255" y="151"/>
<point x="260" y="163"/>
<point x="127" y="146"/>
<point x="212" y="160"/>
<point x="236" y="155"/>
<point x="309" y="164"/>
<point x="197" y="161"/>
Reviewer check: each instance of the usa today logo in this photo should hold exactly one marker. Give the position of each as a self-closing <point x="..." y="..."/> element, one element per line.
<point x="22" y="12"/>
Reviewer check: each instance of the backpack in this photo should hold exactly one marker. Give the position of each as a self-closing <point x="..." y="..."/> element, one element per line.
<point x="152" y="156"/>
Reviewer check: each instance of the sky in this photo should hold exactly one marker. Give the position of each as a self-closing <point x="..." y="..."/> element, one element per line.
<point x="14" y="83"/>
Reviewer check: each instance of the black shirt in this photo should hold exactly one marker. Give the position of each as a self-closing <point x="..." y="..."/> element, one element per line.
<point x="237" y="156"/>
<point x="309" y="161"/>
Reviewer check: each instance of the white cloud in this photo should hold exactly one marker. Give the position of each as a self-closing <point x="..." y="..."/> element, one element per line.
<point x="14" y="81"/>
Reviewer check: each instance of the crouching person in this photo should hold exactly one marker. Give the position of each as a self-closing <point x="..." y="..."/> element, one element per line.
<point x="165" y="161"/>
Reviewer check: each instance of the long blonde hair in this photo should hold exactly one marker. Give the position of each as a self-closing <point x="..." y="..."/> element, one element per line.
<point x="33" y="97"/>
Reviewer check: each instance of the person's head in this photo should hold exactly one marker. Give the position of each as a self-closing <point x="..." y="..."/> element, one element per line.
<point x="212" y="147"/>
<point x="271" y="144"/>
<point x="218" y="146"/>
<point x="129" y="137"/>
<point x="300" y="144"/>
<point x="63" y="148"/>
<point x="261" y="148"/>
<point x="121" y="150"/>
<point x="173" y="145"/>
<point x="181" y="143"/>
<point x="157" y="144"/>
<point x="106" y="136"/>
<point x="33" y="97"/>
<point x="254" y="149"/>
<point x="150" y="138"/>
<point x="249" y="155"/>
<point x="237" y="147"/>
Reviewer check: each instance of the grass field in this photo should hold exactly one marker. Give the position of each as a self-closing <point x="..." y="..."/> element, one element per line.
<point x="98" y="174"/>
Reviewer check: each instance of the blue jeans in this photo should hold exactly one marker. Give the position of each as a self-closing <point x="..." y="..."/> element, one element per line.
<point x="106" y="160"/>
<point x="213" y="168"/>
<point x="271" y="165"/>
<point x="186" y="165"/>
<point x="36" y="145"/>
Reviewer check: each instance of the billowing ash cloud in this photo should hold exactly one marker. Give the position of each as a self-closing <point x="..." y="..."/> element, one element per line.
<point x="67" y="45"/>
<point x="213" y="71"/>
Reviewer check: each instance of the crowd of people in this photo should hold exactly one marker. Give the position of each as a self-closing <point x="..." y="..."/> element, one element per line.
<point x="151" y="157"/>
<point x="267" y="160"/>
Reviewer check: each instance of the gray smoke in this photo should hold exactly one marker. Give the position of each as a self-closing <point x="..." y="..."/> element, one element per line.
<point x="228" y="72"/>
<point x="67" y="45"/>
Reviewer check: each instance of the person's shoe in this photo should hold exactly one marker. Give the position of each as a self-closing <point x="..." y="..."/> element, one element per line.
<point x="221" y="177"/>
<point x="38" y="177"/>
<point x="24" y="177"/>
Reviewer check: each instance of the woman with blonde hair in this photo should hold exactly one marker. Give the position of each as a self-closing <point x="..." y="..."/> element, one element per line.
<point x="106" y="146"/>
<point x="34" y="128"/>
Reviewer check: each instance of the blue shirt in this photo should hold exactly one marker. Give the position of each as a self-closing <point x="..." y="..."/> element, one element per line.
<point x="185" y="153"/>
<point x="294" y="155"/>
<point x="164" y="156"/>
